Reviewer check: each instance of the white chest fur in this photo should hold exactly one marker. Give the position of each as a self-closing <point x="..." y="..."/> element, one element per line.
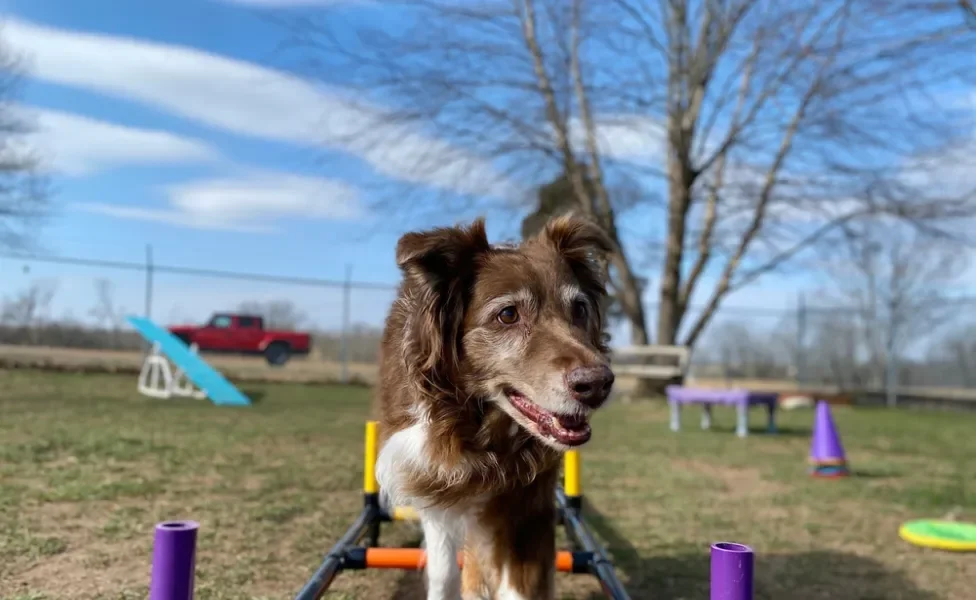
<point x="405" y="455"/>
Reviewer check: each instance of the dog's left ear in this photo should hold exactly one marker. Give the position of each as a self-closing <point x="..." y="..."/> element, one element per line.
<point x="439" y="264"/>
<point x="584" y="246"/>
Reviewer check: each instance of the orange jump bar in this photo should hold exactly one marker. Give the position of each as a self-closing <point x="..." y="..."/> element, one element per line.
<point x="416" y="558"/>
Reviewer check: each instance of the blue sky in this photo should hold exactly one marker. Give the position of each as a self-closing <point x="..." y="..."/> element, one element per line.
<point x="173" y="124"/>
<point x="176" y="193"/>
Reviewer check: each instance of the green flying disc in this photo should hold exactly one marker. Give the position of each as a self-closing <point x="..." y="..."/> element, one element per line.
<point x="943" y="535"/>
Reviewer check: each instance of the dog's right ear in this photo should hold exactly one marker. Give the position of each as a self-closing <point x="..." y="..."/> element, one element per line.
<point x="438" y="264"/>
<point x="438" y="252"/>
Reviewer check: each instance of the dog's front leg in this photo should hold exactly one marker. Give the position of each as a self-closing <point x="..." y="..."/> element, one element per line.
<point x="400" y="461"/>
<point x="532" y="579"/>
<point x="516" y="556"/>
<point x="443" y="533"/>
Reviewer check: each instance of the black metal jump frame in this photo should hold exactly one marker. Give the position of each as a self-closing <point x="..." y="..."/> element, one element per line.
<point x="587" y="555"/>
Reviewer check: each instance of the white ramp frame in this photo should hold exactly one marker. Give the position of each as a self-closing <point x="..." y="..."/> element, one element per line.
<point x="158" y="378"/>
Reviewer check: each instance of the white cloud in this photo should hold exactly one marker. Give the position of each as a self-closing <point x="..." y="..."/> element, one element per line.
<point x="636" y="139"/>
<point x="168" y="216"/>
<point x="249" y="203"/>
<point x="251" y="100"/>
<point x="77" y="145"/>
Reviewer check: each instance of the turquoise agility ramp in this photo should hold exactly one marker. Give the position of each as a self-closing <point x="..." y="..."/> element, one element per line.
<point x="212" y="383"/>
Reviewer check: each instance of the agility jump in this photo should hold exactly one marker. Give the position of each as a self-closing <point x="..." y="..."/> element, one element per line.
<point x="587" y="557"/>
<point x="174" y="549"/>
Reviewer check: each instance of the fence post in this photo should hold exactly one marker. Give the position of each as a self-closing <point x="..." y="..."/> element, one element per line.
<point x="891" y="371"/>
<point x="801" y="336"/>
<point x="344" y="340"/>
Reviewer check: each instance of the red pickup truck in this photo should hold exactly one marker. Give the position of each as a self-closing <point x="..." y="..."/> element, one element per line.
<point x="244" y="334"/>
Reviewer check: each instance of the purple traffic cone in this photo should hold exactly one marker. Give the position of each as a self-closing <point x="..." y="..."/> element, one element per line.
<point x="826" y="451"/>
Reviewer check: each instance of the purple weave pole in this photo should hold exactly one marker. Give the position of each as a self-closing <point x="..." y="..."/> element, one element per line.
<point x="732" y="569"/>
<point x="174" y="560"/>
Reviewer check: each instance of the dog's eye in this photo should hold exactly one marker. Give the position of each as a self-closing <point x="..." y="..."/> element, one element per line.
<point x="579" y="310"/>
<point x="508" y="315"/>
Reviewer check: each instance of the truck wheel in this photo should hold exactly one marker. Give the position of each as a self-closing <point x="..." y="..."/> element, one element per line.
<point x="184" y="338"/>
<point x="277" y="354"/>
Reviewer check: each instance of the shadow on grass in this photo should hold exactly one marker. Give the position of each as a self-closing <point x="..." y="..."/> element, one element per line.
<point x="881" y="473"/>
<point x="684" y="573"/>
<point x="255" y="394"/>
<point x="798" y="576"/>
<point x="783" y="431"/>
<point x="758" y="431"/>
<point x="410" y="586"/>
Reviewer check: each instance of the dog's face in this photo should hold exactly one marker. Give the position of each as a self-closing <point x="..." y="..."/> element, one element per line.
<point x="521" y="327"/>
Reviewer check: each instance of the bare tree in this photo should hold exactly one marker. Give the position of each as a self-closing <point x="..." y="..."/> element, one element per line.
<point x="106" y="314"/>
<point x="957" y="351"/>
<point x="835" y="354"/>
<point x="30" y="308"/>
<point x="968" y="8"/>
<point x="763" y="125"/>
<point x="744" y="352"/>
<point x="23" y="185"/>
<point x="277" y="314"/>
<point x="899" y="280"/>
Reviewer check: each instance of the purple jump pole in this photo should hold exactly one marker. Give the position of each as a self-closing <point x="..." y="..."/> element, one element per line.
<point x="174" y="559"/>
<point x="732" y="566"/>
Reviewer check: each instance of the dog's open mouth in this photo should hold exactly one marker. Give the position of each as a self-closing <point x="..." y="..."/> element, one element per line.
<point x="571" y="430"/>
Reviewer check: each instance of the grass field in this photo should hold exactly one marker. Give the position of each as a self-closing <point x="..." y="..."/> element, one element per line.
<point x="87" y="466"/>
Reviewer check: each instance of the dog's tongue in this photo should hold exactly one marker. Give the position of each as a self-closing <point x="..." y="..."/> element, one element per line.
<point x="571" y="430"/>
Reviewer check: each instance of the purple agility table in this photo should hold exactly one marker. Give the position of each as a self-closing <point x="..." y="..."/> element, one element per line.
<point x="741" y="399"/>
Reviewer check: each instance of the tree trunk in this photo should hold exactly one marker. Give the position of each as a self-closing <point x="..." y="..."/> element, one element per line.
<point x="633" y="307"/>
<point x="671" y="311"/>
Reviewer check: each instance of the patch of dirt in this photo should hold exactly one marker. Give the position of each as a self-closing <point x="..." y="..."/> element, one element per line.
<point x="89" y="566"/>
<point x="739" y="483"/>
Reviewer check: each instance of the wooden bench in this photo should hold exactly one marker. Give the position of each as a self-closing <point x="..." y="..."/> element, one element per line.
<point x="654" y="362"/>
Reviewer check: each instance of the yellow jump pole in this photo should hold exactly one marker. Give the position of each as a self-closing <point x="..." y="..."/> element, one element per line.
<point x="571" y="479"/>
<point x="371" y="488"/>
<point x="405" y="513"/>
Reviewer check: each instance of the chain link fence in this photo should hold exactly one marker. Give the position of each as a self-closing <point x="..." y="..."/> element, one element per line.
<point x="73" y="309"/>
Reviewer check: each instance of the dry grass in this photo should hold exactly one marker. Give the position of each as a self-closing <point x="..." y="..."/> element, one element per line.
<point x="87" y="467"/>
<point x="240" y="368"/>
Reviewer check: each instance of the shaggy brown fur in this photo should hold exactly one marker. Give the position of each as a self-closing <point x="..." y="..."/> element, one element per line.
<point x="478" y="335"/>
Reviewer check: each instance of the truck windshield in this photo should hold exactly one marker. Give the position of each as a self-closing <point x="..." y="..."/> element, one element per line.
<point x="221" y="322"/>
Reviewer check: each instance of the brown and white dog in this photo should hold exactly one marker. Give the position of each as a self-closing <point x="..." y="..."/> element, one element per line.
<point x="492" y="361"/>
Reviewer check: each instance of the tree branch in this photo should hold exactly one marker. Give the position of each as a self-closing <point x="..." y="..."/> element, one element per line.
<point x="711" y="207"/>
<point x="786" y="144"/>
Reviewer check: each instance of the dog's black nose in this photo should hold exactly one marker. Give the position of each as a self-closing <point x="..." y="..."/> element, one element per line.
<point x="590" y="385"/>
